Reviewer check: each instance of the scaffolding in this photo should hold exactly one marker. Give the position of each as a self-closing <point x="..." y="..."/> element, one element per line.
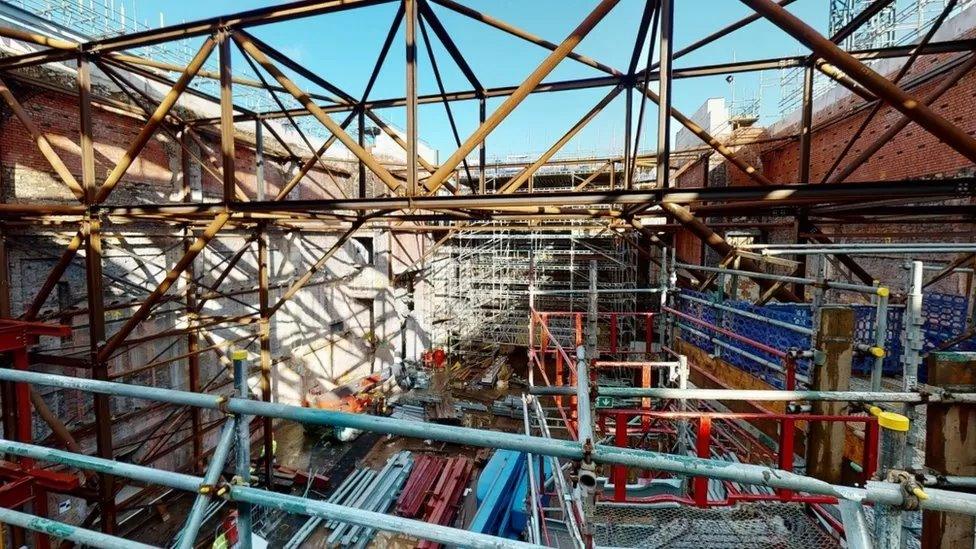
<point x="538" y="237"/>
<point x="489" y="276"/>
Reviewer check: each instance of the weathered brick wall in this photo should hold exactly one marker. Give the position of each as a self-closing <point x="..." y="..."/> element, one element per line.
<point x="913" y="153"/>
<point x="153" y="176"/>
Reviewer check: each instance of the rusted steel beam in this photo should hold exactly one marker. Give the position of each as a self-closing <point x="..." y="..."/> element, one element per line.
<point x="96" y="303"/>
<point x="519" y="33"/>
<point x="227" y="148"/>
<point x="523" y="176"/>
<point x="289" y="63"/>
<point x="143" y="311"/>
<point x="650" y="8"/>
<point x="440" y="87"/>
<point x="144" y="102"/>
<point x="655" y="240"/>
<point x="482" y="149"/>
<point x="316" y="267"/>
<point x="859" y="20"/>
<point x="958" y="262"/>
<point x="403" y="144"/>
<point x="649" y="19"/>
<point x="41" y="142"/>
<point x="310" y="163"/>
<point x="264" y="327"/>
<point x="721" y="33"/>
<point x="316" y="157"/>
<point x="374" y="165"/>
<point x="628" y="135"/>
<point x="157" y="118"/>
<point x="39" y="39"/>
<point x="770" y="196"/>
<point x="359" y="112"/>
<point x="8" y="405"/>
<point x="449" y="44"/>
<point x="192" y="338"/>
<point x="911" y="107"/>
<point x="250" y="18"/>
<point x="643" y="99"/>
<point x="534" y="79"/>
<point x="35" y="58"/>
<point x="936" y="25"/>
<point x="91" y="236"/>
<point x="848" y="261"/>
<point x="51" y="281"/>
<point x="191" y="356"/>
<point x="203" y="73"/>
<point x="951" y="46"/>
<point x="592" y="177"/>
<point x="159" y="78"/>
<point x="86" y="142"/>
<point x="665" y="50"/>
<point x="806" y="125"/>
<point x="96" y="335"/>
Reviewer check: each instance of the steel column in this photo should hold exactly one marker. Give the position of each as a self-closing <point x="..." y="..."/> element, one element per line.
<point x="227" y="144"/>
<point x="664" y="94"/>
<point x="410" y="12"/>
<point x="265" y="340"/>
<point x="242" y="469"/>
<point x="806" y="125"/>
<point x="193" y="307"/>
<point x="482" y="153"/>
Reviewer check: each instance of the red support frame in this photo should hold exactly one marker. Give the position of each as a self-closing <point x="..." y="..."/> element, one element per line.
<point x="613" y="323"/>
<point x="703" y="449"/>
<point x="28" y="485"/>
<point x="704" y="425"/>
<point x="620" y="471"/>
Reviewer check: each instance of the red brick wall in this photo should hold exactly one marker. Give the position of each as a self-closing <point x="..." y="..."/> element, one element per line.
<point x="28" y="177"/>
<point x="914" y="152"/>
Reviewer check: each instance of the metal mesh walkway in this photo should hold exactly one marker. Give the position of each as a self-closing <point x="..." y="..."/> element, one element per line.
<point x="744" y="526"/>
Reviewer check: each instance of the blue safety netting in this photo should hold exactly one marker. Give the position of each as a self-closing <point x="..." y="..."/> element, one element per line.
<point x="774" y="336"/>
<point x="945" y="319"/>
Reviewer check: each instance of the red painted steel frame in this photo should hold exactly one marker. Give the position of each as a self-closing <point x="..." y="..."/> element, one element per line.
<point x="561" y="358"/>
<point x="28" y="485"/>
<point x="699" y="492"/>
<point x="614" y="324"/>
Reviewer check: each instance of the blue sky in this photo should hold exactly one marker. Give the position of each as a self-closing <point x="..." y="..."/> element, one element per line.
<point x="342" y="48"/>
